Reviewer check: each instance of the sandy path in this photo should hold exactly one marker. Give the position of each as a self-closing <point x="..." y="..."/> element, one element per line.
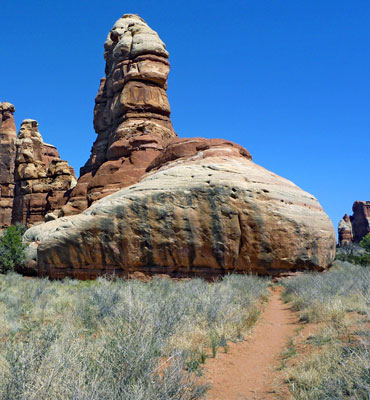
<point x="248" y="370"/>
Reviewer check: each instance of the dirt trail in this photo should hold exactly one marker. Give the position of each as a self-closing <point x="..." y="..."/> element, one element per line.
<point x="248" y="370"/>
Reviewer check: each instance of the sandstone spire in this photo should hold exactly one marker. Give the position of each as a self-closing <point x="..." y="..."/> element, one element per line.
<point x="7" y="124"/>
<point x="132" y="113"/>
<point x="8" y="134"/>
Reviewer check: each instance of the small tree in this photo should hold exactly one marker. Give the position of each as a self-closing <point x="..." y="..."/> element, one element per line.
<point x="12" y="250"/>
<point x="365" y="242"/>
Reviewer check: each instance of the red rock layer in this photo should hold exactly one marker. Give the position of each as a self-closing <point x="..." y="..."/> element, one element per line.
<point x="184" y="148"/>
<point x="131" y="116"/>
<point x="353" y="228"/>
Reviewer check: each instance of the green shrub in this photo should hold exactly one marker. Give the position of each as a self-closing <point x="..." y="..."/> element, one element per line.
<point x="12" y="250"/>
<point x="365" y="243"/>
<point x="360" y="259"/>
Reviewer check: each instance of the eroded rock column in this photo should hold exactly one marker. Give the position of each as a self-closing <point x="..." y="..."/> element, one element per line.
<point x="8" y="135"/>
<point x="131" y="115"/>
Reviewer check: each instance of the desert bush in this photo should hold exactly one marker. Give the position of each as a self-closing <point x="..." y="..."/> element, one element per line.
<point x="117" y="339"/>
<point x="12" y="250"/>
<point x="359" y="259"/>
<point x="339" y="372"/>
<point x="341" y="369"/>
<point x="365" y="243"/>
<point x="320" y="297"/>
<point x="356" y="254"/>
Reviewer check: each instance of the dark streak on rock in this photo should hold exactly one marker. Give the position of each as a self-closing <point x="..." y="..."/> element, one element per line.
<point x="166" y="219"/>
<point x="218" y="247"/>
<point x="140" y="208"/>
<point x="189" y="232"/>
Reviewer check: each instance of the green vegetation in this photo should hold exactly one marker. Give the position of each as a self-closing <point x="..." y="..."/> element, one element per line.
<point x="365" y="243"/>
<point x="117" y="339"/>
<point x="352" y="254"/>
<point x="12" y="250"/>
<point x="339" y="301"/>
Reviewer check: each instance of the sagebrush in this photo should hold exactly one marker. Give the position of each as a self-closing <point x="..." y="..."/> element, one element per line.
<point x="117" y="339"/>
<point x="339" y="301"/>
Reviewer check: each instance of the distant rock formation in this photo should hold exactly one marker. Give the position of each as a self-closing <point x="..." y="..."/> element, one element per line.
<point x="8" y="136"/>
<point x="345" y="234"/>
<point x="159" y="204"/>
<point x="352" y="229"/>
<point x="131" y="116"/>
<point x="34" y="180"/>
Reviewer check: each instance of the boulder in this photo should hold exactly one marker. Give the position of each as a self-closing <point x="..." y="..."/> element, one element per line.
<point x="203" y="208"/>
<point x="131" y="115"/>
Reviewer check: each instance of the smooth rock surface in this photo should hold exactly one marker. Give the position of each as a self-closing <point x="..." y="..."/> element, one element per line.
<point x="203" y="209"/>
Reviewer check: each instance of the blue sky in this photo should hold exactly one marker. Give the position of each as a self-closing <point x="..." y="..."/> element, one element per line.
<point x="288" y="80"/>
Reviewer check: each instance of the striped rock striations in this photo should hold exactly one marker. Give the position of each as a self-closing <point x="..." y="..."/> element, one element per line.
<point x="8" y="136"/>
<point x="204" y="208"/>
<point x="352" y="229"/>
<point x="131" y="116"/>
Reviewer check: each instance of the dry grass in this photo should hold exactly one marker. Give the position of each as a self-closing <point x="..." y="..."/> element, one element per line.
<point x="339" y="364"/>
<point x="117" y="339"/>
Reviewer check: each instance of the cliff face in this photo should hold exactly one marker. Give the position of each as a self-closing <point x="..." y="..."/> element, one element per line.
<point x="131" y="115"/>
<point x="352" y="229"/>
<point x="34" y="181"/>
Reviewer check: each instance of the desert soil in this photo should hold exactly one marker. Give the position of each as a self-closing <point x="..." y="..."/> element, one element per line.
<point x="249" y="369"/>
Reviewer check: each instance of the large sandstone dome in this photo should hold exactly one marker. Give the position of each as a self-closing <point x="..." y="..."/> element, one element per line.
<point x="159" y="204"/>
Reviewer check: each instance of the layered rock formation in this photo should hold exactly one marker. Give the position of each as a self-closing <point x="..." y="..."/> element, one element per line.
<point x="131" y="116"/>
<point x="42" y="179"/>
<point x="345" y="235"/>
<point x="203" y="209"/>
<point x="352" y="229"/>
<point x="8" y="135"/>
<point x="34" y="181"/>
<point x="159" y="204"/>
